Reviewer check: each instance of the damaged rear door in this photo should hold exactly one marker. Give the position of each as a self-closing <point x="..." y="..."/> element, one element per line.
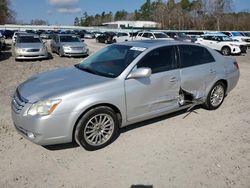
<point x="157" y="93"/>
<point x="197" y="70"/>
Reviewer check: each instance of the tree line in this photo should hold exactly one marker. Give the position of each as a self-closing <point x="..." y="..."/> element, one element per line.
<point x="181" y="15"/>
<point x="7" y="15"/>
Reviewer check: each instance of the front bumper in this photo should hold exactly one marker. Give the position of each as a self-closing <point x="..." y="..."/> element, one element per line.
<point x="31" y="55"/>
<point x="43" y="130"/>
<point x="75" y="53"/>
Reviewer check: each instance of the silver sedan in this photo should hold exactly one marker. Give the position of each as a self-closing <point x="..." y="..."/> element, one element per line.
<point x="117" y="86"/>
<point x="29" y="46"/>
<point x="68" y="45"/>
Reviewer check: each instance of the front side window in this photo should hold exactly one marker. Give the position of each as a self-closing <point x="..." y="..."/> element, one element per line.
<point x="194" y="55"/>
<point x="110" y="61"/>
<point x="159" y="60"/>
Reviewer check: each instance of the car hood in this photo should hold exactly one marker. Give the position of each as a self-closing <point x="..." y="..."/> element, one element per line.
<point x="57" y="82"/>
<point x="29" y="45"/>
<point x="73" y="44"/>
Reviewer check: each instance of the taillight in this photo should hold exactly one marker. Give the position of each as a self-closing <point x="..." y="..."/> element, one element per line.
<point x="236" y="65"/>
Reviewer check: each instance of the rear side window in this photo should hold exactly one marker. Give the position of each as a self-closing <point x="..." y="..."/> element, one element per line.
<point x="159" y="60"/>
<point x="194" y="55"/>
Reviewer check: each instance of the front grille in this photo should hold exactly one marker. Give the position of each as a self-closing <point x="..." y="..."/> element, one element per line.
<point x="76" y="48"/>
<point x="247" y="40"/>
<point x="18" y="102"/>
<point x="33" y="50"/>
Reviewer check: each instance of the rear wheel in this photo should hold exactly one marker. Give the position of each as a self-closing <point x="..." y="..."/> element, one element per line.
<point x="216" y="96"/>
<point x="97" y="128"/>
<point x="226" y="51"/>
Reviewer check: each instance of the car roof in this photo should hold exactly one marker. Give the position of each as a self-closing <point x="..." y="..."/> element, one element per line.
<point x="65" y="34"/>
<point x="154" y="43"/>
<point x="214" y="34"/>
<point x="28" y="34"/>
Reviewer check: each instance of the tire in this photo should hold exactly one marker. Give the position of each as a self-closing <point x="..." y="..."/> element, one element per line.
<point x="226" y="51"/>
<point x="97" y="128"/>
<point x="216" y="96"/>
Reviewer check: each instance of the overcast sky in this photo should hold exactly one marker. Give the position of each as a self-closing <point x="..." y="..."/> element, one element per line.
<point x="63" y="12"/>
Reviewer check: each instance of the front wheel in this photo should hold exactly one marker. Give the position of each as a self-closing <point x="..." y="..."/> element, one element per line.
<point x="226" y="51"/>
<point x="97" y="128"/>
<point x="216" y="96"/>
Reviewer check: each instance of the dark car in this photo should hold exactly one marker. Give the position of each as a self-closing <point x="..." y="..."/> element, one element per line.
<point x="106" y="37"/>
<point x="178" y="36"/>
<point x="7" y="33"/>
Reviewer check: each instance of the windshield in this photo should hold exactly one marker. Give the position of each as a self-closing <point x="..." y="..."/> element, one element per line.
<point x="28" y="39"/>
<point x="236" y="34"/>
<point x="110" y="61"/>
<point x="69" y="38"/>
<point x="160" y="35"/>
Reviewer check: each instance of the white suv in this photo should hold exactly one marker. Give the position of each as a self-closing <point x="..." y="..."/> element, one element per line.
<point x="222" y="43"/>
<point x="145" y="35"/>
<point x="238" y="36"/>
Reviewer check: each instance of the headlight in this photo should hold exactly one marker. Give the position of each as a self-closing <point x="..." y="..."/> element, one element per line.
<point x="66" y="48"/>
<point x="19" y="50"/>
<point x="43" y="108"/>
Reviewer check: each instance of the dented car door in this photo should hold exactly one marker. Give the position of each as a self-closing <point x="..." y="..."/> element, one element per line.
<point x="197" y="70"/>
<point x="157" y="93"/>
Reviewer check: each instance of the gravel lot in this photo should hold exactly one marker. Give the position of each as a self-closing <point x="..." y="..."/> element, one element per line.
<point x="204" y="149"/>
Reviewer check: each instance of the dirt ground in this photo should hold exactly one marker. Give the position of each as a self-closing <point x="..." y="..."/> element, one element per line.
<point x="204" y="149"/>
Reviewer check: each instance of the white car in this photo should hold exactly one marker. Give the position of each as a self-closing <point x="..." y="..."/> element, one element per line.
<point x="122" y="37"/>
<point x="222" y="43"/>
<point x="238" y="36"/>
<point x="152" y="35"/>
<point x="15" y="36"/>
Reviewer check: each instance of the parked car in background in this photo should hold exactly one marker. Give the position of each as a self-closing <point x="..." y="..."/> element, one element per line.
<point x="145" y="35"/>
<point x="97" y="33"/>
<point x="237" y="36"/>
<point x="29" y="46"/>
<point x="16" y="34"/>
<point x="7" y="33"/>
<point x="178" y="36"/>
<point x="89" y="35"/>
<point x="120" y="85"/>
<point x="106" y="37"/>
<point x="68" y="45"/>
<point x="222" y="43"/>
<point x="47" y="35"/>
<point x="194" y="34"/>
<point x="247" y="34"/>
<point x="121" y="37"/>
<point x="2" y="42"/>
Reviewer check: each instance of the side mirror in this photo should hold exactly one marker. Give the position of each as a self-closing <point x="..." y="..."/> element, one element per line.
<point x="82" y="40"/>
<point x="151" y="37"/>
<point x="140" y="73"/>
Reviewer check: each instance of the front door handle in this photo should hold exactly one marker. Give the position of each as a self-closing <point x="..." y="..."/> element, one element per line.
<point x="212" y="71"/>
<point x="173" y="79"/>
